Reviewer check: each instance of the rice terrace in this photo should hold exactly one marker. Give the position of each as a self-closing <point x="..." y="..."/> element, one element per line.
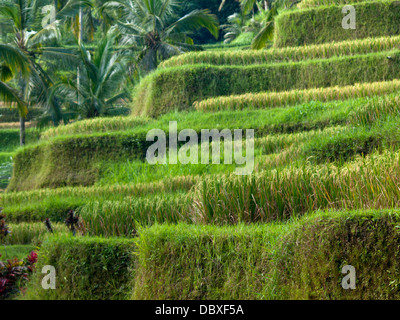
<point x="199" y="150"/>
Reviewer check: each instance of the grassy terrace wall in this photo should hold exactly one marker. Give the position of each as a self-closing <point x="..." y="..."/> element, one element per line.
<point x="301" y="259"/>
<point x="277" y="55"/>
<point x="178" y="88"/>
<point x="324" y="24"/>
<point x="57" y="163"/>
<point x="86" y="269"/>
<point x="298" y="260"/>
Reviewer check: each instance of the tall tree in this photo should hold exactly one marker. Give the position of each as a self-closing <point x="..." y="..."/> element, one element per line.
<point x="153" y="27"/>
<point x="11" y="64"/>
<point x="20" y="15"/>
<point x="102" y="80"/>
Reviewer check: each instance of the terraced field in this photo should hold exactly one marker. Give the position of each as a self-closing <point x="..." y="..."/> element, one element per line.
<point x="324" y="104"/>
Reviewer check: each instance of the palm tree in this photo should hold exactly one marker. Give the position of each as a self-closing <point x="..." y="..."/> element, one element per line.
<point x="101" y="80"/>
<point x="269" y="11"/>
<point x="29" y="44"/>
<point x="153" y="27"/>
<point x="234" y="27"/>
<point x="266" y="33"/>
<point x="8" y="94"/>
<point x="14" y="61"/>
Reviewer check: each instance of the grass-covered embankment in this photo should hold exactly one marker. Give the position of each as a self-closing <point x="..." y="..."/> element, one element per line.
<point x="84" y="159"/>
<point x="301" y="259"/>
<point x="278" y="55"/>
<point x="324" y="24"/>
<point x="86" y="269"/>
<point x="298" y="260"/>
<point x="172" y="89"/>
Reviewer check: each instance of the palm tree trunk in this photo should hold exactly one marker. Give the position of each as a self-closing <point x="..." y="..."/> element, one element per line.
<point x="22" y="131"/>
<point x="21" y="118"/>
<point x="152" y="62"/>
<point x="80" y="36"/>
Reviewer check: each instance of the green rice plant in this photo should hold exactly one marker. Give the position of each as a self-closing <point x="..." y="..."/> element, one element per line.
<point x="278" y="142"/>
<point x="16" y="251"/>
<point x="278" y="55"/>
<point x="256" y="112"/>
<point x="374" y="111"/>
<point x="95" y="125"/>
<point x="226" y="46"/>
<point x="300" y="259"/>
<point x="366" y="182"/>
<point x="305" y="4"/>
<point x="292" y="97"/>
<point x="246" y="119"/>
<point x="31" y="233"/>
<point x="37" y="205"/>
<point x="122" y="218"/>
<point x="344" y="145"/>
<point x="35" y="166"/>
<point x="324" y="24"/>
<point x="135" y="172"/>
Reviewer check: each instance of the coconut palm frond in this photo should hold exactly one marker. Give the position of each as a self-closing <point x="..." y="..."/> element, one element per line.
<point x="9" y="95"/>
<point x="195" y="20"/>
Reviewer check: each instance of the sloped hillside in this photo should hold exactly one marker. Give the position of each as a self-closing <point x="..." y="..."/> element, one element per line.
<point x="324" y="104"/>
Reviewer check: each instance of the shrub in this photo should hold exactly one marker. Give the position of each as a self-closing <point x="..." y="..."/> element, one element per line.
<point x="178" y="88"/>
<point x="14" y="273"/>
<point x="324" y="24"/>
<point x="370" y="182"/>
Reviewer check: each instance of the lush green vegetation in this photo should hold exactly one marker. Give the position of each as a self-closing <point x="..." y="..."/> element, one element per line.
<point x="91" y="268"/>
<point x="19" y="251"/>
<point x="178" y="88"/>
<point x="324" y="24"/>
<point x="275" y="261"/>
<point x="233" y="262"/>
<point x="324" y="105"/>
<point x="276" y="55"/>
<point x="319" y="3"/>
